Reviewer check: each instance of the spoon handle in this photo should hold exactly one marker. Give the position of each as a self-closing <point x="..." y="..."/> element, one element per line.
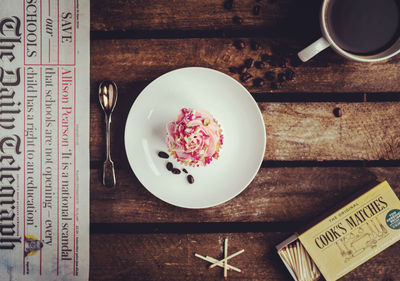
<point x="109" y="174"/>
<point x="109" y="179"/>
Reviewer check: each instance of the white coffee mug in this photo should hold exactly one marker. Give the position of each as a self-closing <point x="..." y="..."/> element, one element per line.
<point x="327" y="41"/>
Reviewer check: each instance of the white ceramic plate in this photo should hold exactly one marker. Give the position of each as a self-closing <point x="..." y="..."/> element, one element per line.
<point x="234" y="109"/>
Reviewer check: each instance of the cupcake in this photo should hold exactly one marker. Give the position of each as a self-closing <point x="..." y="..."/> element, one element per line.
<point x="195" y="138"/>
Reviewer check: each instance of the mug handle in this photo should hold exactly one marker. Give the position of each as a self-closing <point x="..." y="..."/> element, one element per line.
<point x="316" y="47"/>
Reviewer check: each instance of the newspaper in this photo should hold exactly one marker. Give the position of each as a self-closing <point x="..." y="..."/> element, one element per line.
<point x="44" y="139"/>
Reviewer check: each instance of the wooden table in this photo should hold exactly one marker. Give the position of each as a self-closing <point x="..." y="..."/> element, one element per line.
<point x="313" y="159"/>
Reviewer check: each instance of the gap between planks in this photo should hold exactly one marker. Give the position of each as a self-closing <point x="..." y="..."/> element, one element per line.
<point x="182" y="227"/>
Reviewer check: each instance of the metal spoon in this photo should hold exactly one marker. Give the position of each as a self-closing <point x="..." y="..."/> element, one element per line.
<point x="108" y="94"/>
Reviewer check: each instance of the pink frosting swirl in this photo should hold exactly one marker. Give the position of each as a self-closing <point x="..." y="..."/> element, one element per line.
<point x="194" y="138"/>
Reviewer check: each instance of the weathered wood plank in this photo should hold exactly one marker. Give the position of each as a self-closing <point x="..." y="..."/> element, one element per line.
<point x="128" y="61"/>
<point x="206" y="15"/>
<point x="171" y="257"/>
<point x="310" y="131"/>
<point x="295" y="131"/>
<point x="275" y="195"/>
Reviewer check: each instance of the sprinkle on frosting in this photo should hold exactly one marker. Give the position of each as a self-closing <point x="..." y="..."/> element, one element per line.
<point x="195" y="138"/>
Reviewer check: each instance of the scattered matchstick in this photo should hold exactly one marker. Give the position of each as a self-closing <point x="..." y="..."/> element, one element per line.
<point x="230" y="267"/>
<point x="224" y="262"/>
<point x="212" y="260"/>
<point x="226" y="259"/>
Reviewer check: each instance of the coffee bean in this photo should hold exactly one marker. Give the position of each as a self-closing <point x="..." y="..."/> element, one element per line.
<point x="277" y="62"/>
<point x="228" y="4"/>
<point x="237" y="19"/>
<point x="170" y="166"/>
<point x="282" y="77"/>
<point x="233" y="70"/>
<point x="295" y="61"/>
<point x="176" y="171"/>
<point x="239" y="44"/>
<point x="254" y="45"/>
<point x="249" y="63"/>
<point x="275" y="85"/>
<point x="256" y="10"/>
<point x="245" y="77"/>
<point x="289" y="74"/>
<point x="266" y="58"/>
<point x="270" y="76"/>
<point x="259" y="64"/>
<point x="163" y="154"/>
<point x="258" y="82"/>
<point x="190" y="179"/>
<point x="184" y="170"/>
<point x="337" y="112"/>
<point x="242" y="69"/>
<point x="282" y="62"/>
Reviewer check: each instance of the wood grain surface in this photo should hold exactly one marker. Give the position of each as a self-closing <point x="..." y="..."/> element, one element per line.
<point x="132" y="60"/>
<point x="276" y="195"/>
<point x="295" y="131"/>
<point x="171" y="256"/>
<point x="313" y="160"/>
<point x="192" y="15"/>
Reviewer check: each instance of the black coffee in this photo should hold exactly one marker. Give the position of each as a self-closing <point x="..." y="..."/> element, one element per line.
<point x="363" y="27"/>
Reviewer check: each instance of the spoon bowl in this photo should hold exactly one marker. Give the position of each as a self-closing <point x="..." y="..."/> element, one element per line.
<point x="108" y="95"/>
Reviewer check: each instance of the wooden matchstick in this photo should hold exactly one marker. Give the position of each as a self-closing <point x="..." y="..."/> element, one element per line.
<point x="285" y="256"/>
<point x="227" y="258"/>
<point x="299" y="262"/>
<point x="203" y="258"/>
<point x="307" y="263"/>
<point x="303" y="255"/>
<point x="289" y="258"/>
<point x="310" y="264"/>
<point x="294" y="258"/>
<point x="212" y="260"/>
<point x="230" y="267"/>
<point x="298" y="259"/>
